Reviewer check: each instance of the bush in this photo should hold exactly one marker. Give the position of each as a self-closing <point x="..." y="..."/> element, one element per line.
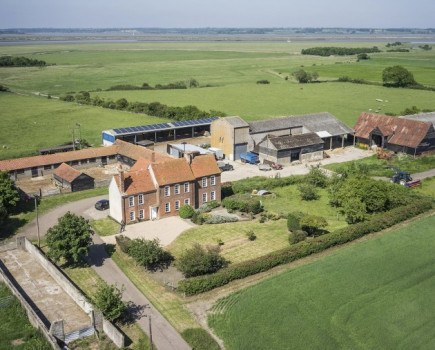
<point x="200" y="218"/>
<point x="149" y="253"/>
<point x="186" y="211"/>
<point x="293" y="220"/>
<point x="200" y="284"/>
<point x="297" y="236"/>
<point x="263" y="82"/>
<point x="313" y="224"/>
<point x="220" y="219"/>
<point x="123" y="242"/>
<point x="317" y="177"/>
<point x="242" y="203"/>
<point x="198" y="261"/>
<point x="308" y="192"/>
<point x="108" y="299"/>
<point x="269" y="215"/>
<point x="251" y="235"/>
<point x="207" y="207"/>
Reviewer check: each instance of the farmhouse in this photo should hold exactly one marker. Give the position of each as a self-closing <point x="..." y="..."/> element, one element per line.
<point x="288" y="148"/>
<point x="152" y="190"/>
<point x="396" y="134"/>
<point x="235" y="136"/>
<point x="67" y="177"/>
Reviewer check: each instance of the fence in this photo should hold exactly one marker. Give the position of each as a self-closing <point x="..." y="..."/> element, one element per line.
<point x="81" y="333"/>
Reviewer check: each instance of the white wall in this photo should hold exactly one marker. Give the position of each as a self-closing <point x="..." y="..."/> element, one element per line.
<point x="115" y="201"/>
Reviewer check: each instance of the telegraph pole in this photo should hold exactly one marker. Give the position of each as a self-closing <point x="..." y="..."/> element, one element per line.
<point x="37" y="219"/>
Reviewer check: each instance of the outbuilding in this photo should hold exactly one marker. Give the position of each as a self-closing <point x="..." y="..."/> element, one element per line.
<point x="67" y="177"/>
<point x="231" y="135"/>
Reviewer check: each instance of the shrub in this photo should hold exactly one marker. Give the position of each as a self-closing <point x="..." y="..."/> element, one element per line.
<point x="263" y="81"/>
<point x="242" y="203"/>
<point x="297" y="236"/>
<point x="313" y="224"/>
<point x="149" y="253"/>
<point x="207" y="207"/>
<point x="198" y="261"/>
<point x="200" y="284"/>
<point x="123" y="242"/>
<point x="251" y="235"/>
<point x="108" y="299"/>
<point x="317" y="177"/>
<point x="293" y="220"/>
<point x="200" y="218"/>
<point x="308" y="192"/>
<point x="186" y="211"/>
<point x="220" y="219"/>
<point x="354" y="210"/>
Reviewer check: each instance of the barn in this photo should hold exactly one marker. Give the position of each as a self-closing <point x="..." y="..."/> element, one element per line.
<point x="290" y="148"/>
<point x="67" y="177"/>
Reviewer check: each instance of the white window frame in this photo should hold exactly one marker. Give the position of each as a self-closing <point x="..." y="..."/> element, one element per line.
<point x="177" y="205"/>
<point x="167" y="207"/>
<point x="141" y="214"/>
<point x="213" y="195"/>
<point x="167" y="191"/>
<point x="187" y="201"/>
<point x="204" y="195"/>
<point x="131" y="201"/>
<point x="186" y="187"/>
<point x="177" y="189"/>
<point x="140" y="199"/>
<point x="212" y="180"/>
<point x="204" y="181"/>
<point x="132" y="216"/>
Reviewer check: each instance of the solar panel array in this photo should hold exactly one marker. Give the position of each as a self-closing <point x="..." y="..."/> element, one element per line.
<point x="152" y="127"/>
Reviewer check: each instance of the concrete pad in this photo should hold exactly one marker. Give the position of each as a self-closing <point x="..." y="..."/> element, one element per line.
<point x="53" y="302"/>
<point x="166" y="230"/>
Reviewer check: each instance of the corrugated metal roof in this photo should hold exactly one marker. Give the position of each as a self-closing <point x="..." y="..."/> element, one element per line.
<point x="402" y="132"/>
<point x="423" y="117"/>
<point x="292" y="141"/>
<point x="313" y="122"/>
<point x="236" y="122"/>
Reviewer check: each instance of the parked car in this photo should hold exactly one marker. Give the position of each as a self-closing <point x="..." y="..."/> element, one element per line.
<point x="102" y="204"/>
<point x="264" y="167"/>
<point x="276" y="166"/>
<point x="225" y="166"/>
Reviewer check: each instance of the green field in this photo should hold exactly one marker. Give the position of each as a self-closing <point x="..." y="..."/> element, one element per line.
<point x="374" y="295"/>
<point x="230" y="69"/>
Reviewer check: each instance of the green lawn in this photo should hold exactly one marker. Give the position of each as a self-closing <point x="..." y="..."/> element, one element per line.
<point x="379" y="167"/>
<point x="374" y="295"/>
<point x="16" y="332"/>
<point x="105" y="227"/>
<point x="427" y="187"/>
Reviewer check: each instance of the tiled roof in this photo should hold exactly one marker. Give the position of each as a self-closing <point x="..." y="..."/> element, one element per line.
<point x="402" y="132"/>
<point x="205" y="165"/>
<point x="141" y="164"/>
<point x="292" y="141"/>
<point x="172" y="171"/>
<point x="135" y="152"/>
<point x="57" y="158"/>
<point x="64" y="171"/>
<point x="136" y="182"/>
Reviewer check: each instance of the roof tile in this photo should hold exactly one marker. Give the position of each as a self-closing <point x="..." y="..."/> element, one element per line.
<point x="64" y="171"/>
<point x="205" y="165"/>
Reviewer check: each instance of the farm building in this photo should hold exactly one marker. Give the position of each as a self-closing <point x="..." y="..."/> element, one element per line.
<point x="289" y="148"/>
<point x="423" y="117"/>
<point x="235" y="136"/>
<point x="396" y="134"/>
<point x="158" y="132"/>
<point x="178" y="150"/>
<point x="67" y="177"/>
<point x="152" y="190"/>
<point x="231" y="134"/>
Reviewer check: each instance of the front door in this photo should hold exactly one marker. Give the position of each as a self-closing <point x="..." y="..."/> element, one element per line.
<point x="153" y="213"/>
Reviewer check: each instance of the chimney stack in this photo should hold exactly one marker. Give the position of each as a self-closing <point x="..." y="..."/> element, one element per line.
<point x="153" y="157"/>
<point x="121" y="178"/>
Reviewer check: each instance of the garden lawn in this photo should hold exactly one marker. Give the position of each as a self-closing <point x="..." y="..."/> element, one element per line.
<point x="379" y="167"/>
<point x="105" y="227"/>
<point x="377" y="294"/>
<point x="16" y="332"/>
<point x="427" y="187"/>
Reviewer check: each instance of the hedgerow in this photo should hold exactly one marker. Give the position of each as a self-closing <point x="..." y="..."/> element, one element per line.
<point x="242" y="203"/>
<point x="200" y="284"/>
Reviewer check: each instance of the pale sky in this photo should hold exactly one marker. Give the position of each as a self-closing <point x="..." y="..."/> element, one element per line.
<point x="216" y="13"/>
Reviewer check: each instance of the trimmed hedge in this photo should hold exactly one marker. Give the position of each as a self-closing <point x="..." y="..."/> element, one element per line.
<point x="242" y="203"/>
<point x="200" y="284"/>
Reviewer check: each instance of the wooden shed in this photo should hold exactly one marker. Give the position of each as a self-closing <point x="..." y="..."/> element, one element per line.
<point x="67" y="177"/>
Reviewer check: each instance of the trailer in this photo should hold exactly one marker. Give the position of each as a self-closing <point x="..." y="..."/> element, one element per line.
<point x="249" y="157"/>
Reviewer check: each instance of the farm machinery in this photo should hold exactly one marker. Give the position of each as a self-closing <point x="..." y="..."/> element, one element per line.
<point x="403" y="178"/>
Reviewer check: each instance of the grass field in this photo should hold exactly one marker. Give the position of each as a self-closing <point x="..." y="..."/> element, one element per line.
<point x="231" y="69"/>
<point x="16" y="332"/>
<point x="374" y="295"/>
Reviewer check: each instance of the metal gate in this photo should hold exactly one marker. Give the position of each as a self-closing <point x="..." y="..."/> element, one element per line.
<point x="85" y="332"/>
<point x="240" y="148"/>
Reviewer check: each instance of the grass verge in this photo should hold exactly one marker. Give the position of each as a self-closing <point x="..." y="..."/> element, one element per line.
<point x="105" y="227"/>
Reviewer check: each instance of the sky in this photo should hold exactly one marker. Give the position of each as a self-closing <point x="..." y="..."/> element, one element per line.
<point x="216" y="13"/>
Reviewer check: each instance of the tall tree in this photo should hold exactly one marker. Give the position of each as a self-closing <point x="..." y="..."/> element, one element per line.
<point x="108" y="298"/>
<point x="69" y="239"/>
<point x="397" y="76"/>
<point x="8" y="192"/>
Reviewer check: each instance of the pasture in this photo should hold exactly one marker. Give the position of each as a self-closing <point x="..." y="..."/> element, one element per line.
<point x="226" y="71"/>
<point x="377" y="294"/>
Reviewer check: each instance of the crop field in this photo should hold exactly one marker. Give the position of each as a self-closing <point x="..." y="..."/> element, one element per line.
<point x="226" y="71"/>
<point x="377" y="294"/>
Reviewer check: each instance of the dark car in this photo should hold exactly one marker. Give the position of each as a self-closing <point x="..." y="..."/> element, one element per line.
<point x="225" y="166"/>
<point x="102" y="204"/>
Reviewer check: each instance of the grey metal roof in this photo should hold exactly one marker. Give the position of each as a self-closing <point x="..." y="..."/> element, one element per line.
<point x="292" y="141"/>
<point x="313" y="122"/>
<point x="424" y="117"/>
<point x="236" y="122"/>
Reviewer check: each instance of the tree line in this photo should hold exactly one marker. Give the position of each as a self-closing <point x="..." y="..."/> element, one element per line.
<point x="19" y="61"/>
<point x="155" y="109"/>
<point x="340" y="51"/>
<point x="191" y="83"/>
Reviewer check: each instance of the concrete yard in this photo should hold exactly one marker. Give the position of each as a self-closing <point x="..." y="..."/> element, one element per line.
<point x="53" y="302"/>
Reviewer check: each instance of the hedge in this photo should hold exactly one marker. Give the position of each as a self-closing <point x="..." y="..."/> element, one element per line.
<point x="242" y="203"/>
<point x="200" y="284"/>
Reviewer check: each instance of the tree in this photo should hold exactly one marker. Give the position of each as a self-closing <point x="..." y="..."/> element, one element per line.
<point x="8" y="192"/>
<point x="397" y="76"/>
<point x="186" y="211"/>
<point x="363" y="56"/>
<point x="122" y="103"/>
<point x="317" y="177"/>
<point x="308" y="192"/>
<point x="69" y="239"/>
<point x="304" y="77"/>
<point x="198" y="261"/>
<point x="354" y="210"/>
<point x="108" y="299"/>
<point x="314" y="225"/>
<point x="149" y="253"/>
<point x="193" y="83"/>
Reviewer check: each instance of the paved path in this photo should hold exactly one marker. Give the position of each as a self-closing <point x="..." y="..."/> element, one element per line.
<point x="424" y="174"/>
